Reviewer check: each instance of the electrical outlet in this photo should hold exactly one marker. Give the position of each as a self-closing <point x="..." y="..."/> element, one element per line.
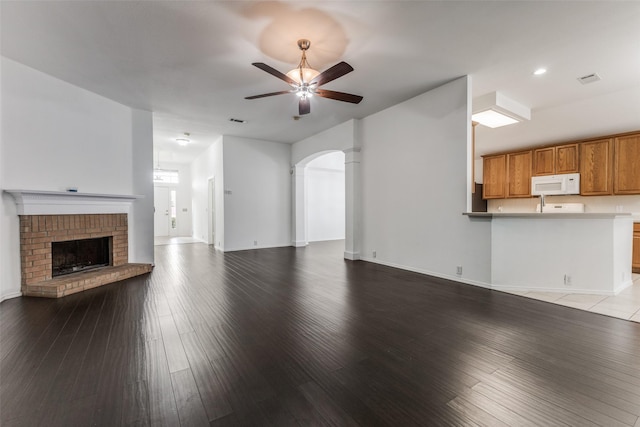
<point x="255" y="243"/>
<point x="568" y="281"/>
<point x="459" y="270"/>
<point x="375" y="254"/>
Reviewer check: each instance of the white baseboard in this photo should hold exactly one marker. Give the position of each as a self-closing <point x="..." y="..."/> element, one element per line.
<point x="562" y="290"/>
<point x="250" y="248"/>
<point x="10" y="295"/>
<point x="299" y="244"/>
<point x="429" y="273"/>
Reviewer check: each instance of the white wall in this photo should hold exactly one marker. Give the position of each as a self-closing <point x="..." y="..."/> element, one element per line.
<point x="56" y="135"/>
<point x="9" y="259"/>
<point x="593" y="252"/>
<point x="208" y="165"/>
<point x="326" y="197"/>
<point x="141" y="220"/>
<point x="340" y="137"/>
<point x="257" y="200"/>
<point x="415" y="163"/>
<point x="183" y="192"/>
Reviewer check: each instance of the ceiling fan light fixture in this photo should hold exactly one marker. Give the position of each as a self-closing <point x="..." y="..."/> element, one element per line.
<point x="306" y="81"/>
<point x="303" y="75"/>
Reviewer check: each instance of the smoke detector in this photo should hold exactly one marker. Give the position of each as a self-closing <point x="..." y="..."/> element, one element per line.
<point x="589" y="78"/>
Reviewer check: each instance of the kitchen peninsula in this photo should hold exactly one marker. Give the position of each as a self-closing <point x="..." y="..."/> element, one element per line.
<point x="576" y="252"/>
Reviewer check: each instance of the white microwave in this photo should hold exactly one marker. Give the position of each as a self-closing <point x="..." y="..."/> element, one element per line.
<point x="550" y="185"/>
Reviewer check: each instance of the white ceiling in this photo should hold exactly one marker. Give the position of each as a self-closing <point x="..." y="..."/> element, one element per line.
<point x="190" y="62"/>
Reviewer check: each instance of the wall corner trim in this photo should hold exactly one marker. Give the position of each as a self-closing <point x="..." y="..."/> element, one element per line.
<point x="353" y="256"/>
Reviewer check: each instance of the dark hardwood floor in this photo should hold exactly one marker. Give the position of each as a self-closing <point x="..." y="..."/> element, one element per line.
<point x="297" y="337"/>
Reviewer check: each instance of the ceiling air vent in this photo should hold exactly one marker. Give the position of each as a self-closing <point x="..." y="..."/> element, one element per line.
<point x="589" y="78"/>
<point x="237" y="120"/>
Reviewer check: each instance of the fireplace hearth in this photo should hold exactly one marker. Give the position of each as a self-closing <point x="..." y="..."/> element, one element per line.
<point x="74" y="256"/>
<point x="64" y="254"/>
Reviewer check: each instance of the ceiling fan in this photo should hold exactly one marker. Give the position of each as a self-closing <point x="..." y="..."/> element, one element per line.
<point x="305" y="82"/>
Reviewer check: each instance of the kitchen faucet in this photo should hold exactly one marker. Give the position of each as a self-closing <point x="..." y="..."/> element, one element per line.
<point x="541" y="203"/>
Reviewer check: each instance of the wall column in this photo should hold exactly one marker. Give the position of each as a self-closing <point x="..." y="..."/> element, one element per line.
<point x="299" y="206"/>
<point x="352" y="180"/>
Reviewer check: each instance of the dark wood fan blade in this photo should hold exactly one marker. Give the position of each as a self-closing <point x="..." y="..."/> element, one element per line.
<point x="304" y="107"/>
<point x="338" y="70"/>
<point x="338" y="96"/>
<point x="264" y="95"/>
<point x="274" y="72"/>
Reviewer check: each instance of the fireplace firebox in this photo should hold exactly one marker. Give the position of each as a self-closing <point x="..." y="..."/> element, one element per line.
<point x="74" y="256"/>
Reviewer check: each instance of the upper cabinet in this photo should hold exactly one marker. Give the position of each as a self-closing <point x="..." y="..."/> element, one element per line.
<point x="567" y="159"/>
<point x="609" y="165"/>
<point x="494" y="173"/>
<point x="596" y="167"/>
<point x="519" y="174"/>
<point x="627" y="165"/>
<point x="555" y="160"/>
<point x="544" y="161"/>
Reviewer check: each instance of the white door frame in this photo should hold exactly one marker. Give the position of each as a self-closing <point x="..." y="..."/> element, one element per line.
<point x="211" y="211"/>
<point x="161" y="219"/>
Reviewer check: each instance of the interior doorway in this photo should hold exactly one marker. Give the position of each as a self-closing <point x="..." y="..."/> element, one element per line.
<point x="165" y="217"/>
<point x="325" y="197"/>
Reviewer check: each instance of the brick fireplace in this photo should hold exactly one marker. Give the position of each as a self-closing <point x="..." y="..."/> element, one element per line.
<point x="37" y="232"/>
<point x="39" y="229"/>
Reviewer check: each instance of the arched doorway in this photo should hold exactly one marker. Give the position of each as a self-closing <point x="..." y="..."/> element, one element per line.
<point x="325" y="197"/>
<point x="306" y="180"/>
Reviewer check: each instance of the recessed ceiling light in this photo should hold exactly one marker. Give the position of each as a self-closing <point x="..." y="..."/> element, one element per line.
<point x="540" y="71"/>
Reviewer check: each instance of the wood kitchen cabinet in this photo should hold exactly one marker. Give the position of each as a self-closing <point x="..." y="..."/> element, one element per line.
<point x="567" y="158"/>
<point x="627" y="164"/>
<point x="544" y="161"/>
<point x="494" y="176"/>
<point x="519" y="174"/>
<point x="555" y="160"/>
<point x="596" y="167"/>
<point x="635" y="263"/>
<point x="609" y="165"/>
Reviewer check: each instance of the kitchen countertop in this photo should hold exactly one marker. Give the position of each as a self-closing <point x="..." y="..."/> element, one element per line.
<point x="580" y="215"/>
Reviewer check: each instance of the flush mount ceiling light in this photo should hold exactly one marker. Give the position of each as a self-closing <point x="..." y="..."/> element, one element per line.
<point x="539" y="71"/>
<point x="184" y="140"/>
<point x="495" y="110"/>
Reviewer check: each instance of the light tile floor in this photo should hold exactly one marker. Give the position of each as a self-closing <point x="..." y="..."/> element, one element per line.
<point x="625" y="305"/>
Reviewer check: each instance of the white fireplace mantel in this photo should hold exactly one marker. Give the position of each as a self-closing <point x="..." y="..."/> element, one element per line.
<point x="34" y="202"/>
